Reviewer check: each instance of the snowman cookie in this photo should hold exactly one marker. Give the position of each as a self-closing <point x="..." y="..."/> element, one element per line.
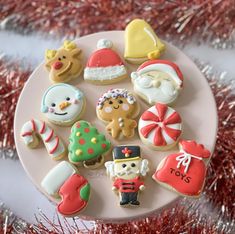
<point x="65" y="63"/>
<point x="118" y="108"/>
<point x="185" y="171"/>
<point x="141" y="42"/>
<point x="104" y="65"/>
<point x="63" y="104"/>
<point x="160" y="127"/>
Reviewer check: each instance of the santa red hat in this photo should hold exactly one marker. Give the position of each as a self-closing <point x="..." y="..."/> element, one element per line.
<point x="104" y="63"/>
<point x="160" y="65"/>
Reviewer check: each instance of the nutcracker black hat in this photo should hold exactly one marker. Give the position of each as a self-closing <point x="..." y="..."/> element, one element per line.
<point x="126" y="152"/>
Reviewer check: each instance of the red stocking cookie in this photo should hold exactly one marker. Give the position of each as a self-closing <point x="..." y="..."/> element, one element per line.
<point x="184" y="172"/>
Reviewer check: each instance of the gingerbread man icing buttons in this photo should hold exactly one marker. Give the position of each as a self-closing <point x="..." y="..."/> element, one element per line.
<point x="65" y="63"/>
<point x="184" y="172"/>
<point x="63" y="104"/>
<point x="158" y="81"/>
<point x="34" y="130"/>
<point x="118" y="108"/>
<point x="104" y="65"/>
<point x="127" y="170"/>
<point x="63" y="182"/>
<point x="160" y="127"/>
<point x="141" y="42"/>
<point x="87" y="145"/>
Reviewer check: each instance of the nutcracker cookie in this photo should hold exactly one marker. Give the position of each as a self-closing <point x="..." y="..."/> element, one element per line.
<point x="118" y="108"/>
<point x="64" y="183"/>
<point x="65" y="63"/>
<point x="158" y="81"/>
<point x="87" y="145"/>
<point x="141" y="42"/>
<point x="184" y="172"/>
<point x="160" y="127"/>
<point x="63" y="104"/>
<point x="127" y="170"/>
<point x="34" y="130"/>
<point x="104" y="66"/>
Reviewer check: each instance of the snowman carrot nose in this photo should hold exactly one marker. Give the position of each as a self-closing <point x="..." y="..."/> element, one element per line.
<point x="64" y="105"/>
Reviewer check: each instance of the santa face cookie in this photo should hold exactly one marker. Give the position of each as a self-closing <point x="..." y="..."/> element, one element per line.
<point x="64" y="64"/>
<point x="141" y="42"/>
<point x="87" y="145"/>
<point x="65" y="183"/>
<point x="63" y="104"/>
<point x="126" y="170"/>
<point x="158" y="81"/>
<point x="104" y="65"/>
<point x="184" y="172"/>
<point x="160" y="127"/>
<point x="117" y="108"/>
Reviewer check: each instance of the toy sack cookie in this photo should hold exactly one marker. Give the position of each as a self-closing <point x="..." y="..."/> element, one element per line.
<point x="87" y="145"/>
<point x="184" y="172"/>
<point x="64" y="182"/>
<point x="141" y="42"/>
<point x="126" y="170"/>
<point x="158" y="81"/>
<point x="160" y="127"/>
<point x="118" y="108"/>
<point x="65" y="63"/>
<point x="34" y="130"/>
<point x="104" y="65"/>
<point x="63" y="104"/>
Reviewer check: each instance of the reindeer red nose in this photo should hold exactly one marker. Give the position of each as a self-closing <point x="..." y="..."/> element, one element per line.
<point x="57" y="65"/>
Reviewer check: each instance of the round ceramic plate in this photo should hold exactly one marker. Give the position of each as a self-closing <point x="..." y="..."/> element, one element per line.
<point x="196" y="106"/>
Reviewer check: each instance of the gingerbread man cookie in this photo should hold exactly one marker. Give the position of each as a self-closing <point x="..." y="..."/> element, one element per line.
<point x="118" y="108"/>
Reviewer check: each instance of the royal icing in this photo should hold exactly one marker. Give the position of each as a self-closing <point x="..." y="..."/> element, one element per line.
<point x="184" y="171"/>
<point x="54" y="145"/>
<point x="62" y="103"/>
<point x="87" y="145"/>
<point x="118" y="107"/>
<point x="64" y="64"/>
<point x="160" y="126"/>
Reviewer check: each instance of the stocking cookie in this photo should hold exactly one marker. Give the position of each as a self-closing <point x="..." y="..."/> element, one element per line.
<point x="63" y="104"/>
<point x="141" y="42"/>
<point x="117" y="108"/>
<point x="184" y="172"/>
<point x="87" y="145"/>
<point x="65" y="183"/>
<point x="126" y="170"/>
<point x="104" y="66"/>
<point x="34" y="130"/>
<point x="158" y="81"/>
<point x="65" y="63"/>
<point x="160" y="127"/>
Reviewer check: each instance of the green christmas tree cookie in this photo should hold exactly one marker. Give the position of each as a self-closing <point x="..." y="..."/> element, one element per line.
<point x="87" y="145"/>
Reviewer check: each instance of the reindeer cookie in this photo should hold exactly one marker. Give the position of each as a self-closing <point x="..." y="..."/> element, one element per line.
<point x="117" y="108"/>
<point x="64" y="64"/>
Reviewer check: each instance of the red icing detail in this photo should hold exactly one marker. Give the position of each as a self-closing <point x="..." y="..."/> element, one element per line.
<point x="173" y="119"/>
<point x="26" y="134"/>
<point x="126" y="151"/>
<point x="50" y="136"/>
<point x="147" y="129"/>
<point x="158" y="137"/>
<point x="103" y="146"/>
<point x="57" y="65"/>
<point x="56" y="146"/>
<point x="90" y="151"/>
<point x="71" y="202"/>
<point x="161" y="110"/>
<point x="33" y="125"/>
<point x="86" y="130"/>
<point x="149" y="116"/>
<point x="123" y="186"/>
<point x="43" y="128"/>
<point x="172" y="133"/>
<point x="82" y="141"/>
<point x="78" y="125"/>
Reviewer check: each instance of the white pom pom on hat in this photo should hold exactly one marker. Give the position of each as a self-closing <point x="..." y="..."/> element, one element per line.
<point x="104" y="43"/>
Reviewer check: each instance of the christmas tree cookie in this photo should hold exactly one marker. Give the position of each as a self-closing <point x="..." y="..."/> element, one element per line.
<point x="87" y="145"/>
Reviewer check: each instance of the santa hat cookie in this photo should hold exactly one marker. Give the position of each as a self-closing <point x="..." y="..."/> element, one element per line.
<point x="158" y="81"/>
<point x="104" y="65"/>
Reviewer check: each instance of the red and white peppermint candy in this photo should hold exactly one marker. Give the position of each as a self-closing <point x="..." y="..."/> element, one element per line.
<point x="160" y="126"/>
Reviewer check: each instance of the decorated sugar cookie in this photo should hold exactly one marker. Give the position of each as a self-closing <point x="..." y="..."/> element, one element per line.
<point x="184" y="172"/>
<point x="118" y="108"/>
<point x="63" y="104"/>
<point x="34" y="130"/>
<point x="141" y="42"/>
<point x="87" y="145"/>
<point x="158" y="81"/>
<point x="127" y="171"/>
<point x="65" y="63"/>
<point x="104" y="65"/>
<point x="160" y="127"/>
<point x="65" y="183"/>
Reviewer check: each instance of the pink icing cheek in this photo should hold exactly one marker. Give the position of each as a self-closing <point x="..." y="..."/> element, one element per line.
<point x="125" y="107"/>
<point x="51" y="110"/>
<point x="108" y="109"/>
<point x="75" y="101"/>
